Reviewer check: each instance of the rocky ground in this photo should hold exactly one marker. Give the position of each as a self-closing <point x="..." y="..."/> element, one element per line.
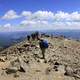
<point x="23" y="61"/>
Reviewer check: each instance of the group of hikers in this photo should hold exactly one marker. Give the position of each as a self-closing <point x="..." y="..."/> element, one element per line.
<point x="43" y="44"/>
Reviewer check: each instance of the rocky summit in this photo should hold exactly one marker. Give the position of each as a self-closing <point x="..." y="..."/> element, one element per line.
<point x="23" y="61"/>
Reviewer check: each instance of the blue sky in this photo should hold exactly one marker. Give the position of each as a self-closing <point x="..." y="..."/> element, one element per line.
<point x="31" y="12"/>
<point x="34" y="5"/>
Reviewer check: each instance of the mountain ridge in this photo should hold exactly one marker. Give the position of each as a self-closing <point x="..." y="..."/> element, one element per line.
<point x="22" y="61"/>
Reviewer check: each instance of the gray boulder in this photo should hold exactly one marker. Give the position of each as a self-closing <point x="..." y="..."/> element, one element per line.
<point x="11" y="70"/>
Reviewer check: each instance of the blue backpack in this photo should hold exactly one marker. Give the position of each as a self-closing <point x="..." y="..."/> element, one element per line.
<point x="45" y="44"/>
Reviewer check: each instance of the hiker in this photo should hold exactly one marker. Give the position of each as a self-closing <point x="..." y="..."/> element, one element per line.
<point x="43" y="46"/>
<point x="37" y="35"/>
<point x="28" y="37"/>
<point x="33" y="36"/>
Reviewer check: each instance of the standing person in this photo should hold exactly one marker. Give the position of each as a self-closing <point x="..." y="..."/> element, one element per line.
<point x="37" y="35"/>
<point x="43" y="46"/>
<point x="33" y="36"/>
<point x="28" y="37"/>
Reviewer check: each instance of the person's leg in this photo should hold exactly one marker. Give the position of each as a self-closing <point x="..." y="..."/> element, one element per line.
<point x="43" y="53"/>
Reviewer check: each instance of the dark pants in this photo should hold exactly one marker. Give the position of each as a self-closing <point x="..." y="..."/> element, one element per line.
<point x="42" y="49"/>
<point x="43" y="52"/>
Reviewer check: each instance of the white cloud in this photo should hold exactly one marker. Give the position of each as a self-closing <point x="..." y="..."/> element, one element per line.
<point x="61" y="16"/>
<point x="27" y="23"/>
<point x="48" y="15"/>
<point x="75" y="16"/>
<point x="33" y="22"/>
<point x="11" y="14"/>
<point x="35" y="25"/>
<point x="10" y="28"/>
<point x="43" y="20"/>
<point x="8" y="25"/>
<point x="50" y="25"/>
<point x="50" y="20"/>
<point x="26" y="13"/>
<point x="43" y="15"/>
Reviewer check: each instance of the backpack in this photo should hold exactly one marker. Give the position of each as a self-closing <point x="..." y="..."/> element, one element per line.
<point x="44" y="44"/>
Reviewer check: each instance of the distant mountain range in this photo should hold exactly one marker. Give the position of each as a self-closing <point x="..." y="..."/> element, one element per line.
<point x="10" y="38"/>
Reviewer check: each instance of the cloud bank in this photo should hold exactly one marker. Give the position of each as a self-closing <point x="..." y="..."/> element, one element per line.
<point x="40" y="20"/>
<point x="10" y="15"/>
